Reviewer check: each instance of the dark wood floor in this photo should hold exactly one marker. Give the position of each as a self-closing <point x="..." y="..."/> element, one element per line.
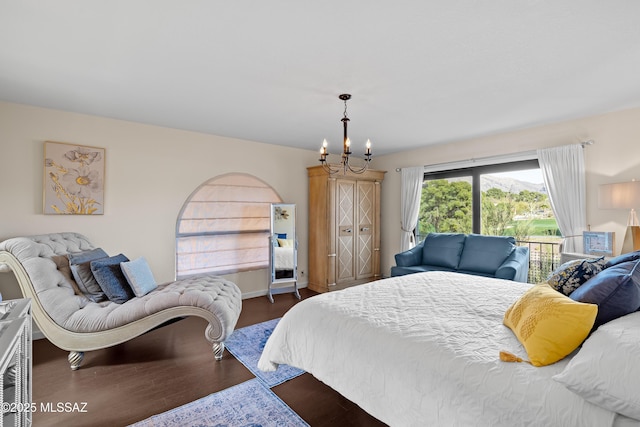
<point x="167" y="368"/>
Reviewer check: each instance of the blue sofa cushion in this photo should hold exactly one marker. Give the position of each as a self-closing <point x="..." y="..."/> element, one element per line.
<point x="616" y="291"/>
<point x="443" y="249"/>
<point x="484" y="254"/>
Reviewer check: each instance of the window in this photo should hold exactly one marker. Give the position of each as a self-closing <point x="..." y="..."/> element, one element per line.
<point x="507" y="199"/>
<point x="445" y="206"/>
<point x="484" y="199"/>
<point x="224" y="226"/>
<point x="516" y="204"/>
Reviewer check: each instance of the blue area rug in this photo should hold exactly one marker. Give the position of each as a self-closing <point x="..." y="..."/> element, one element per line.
<point x="249" y="404"/>
<point x="246" y="344"/>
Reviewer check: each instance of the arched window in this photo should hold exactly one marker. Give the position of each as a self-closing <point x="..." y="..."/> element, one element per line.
<point x="224" y="226"/>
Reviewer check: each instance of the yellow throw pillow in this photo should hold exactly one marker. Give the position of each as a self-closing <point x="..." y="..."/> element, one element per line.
<point x="549" y="324"/>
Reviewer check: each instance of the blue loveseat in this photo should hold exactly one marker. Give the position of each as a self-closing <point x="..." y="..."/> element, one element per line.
<point x="490" y="256"/>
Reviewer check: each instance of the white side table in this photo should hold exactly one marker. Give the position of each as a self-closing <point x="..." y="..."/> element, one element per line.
<point x="15" y="363"/>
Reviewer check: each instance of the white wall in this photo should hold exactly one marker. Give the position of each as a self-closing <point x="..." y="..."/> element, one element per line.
<point x="150" y="172"/>
<point x="614" y="157"/>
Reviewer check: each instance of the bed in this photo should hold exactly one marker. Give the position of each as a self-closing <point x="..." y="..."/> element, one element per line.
<point x="423" y="349"/>
<point x="283" y="262"/>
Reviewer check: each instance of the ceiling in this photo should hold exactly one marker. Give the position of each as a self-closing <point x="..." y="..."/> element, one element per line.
<point x="420" y="72"/>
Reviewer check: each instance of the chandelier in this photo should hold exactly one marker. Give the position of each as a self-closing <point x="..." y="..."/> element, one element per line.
<point x="344" y="164"/>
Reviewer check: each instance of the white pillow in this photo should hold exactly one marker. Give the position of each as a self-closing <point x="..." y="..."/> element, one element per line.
<point x="139" y="276"/>
<point x="606" y="370"/>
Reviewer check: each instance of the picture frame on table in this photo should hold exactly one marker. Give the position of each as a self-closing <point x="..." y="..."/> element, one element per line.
<point x="599" y="242"/>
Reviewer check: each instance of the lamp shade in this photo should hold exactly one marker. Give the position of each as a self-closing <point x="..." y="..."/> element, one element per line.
<point x="621" y="195"/>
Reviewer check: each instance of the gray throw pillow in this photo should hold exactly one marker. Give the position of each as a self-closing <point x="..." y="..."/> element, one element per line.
<point x="80" y="264"/>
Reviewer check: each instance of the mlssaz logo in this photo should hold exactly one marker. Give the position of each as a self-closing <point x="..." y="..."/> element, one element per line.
<point x="63" y="407"/>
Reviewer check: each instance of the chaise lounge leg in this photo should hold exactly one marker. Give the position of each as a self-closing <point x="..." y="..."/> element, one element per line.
<point x="75" y="359"/>
<point x="218" y="349"/>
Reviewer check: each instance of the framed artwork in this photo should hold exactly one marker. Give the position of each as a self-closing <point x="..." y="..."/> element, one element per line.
<point x="73" y="179"/>
<point x="598" y="242"/>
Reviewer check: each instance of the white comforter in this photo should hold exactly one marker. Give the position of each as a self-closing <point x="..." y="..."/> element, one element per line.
<point x="423" y="350"/>
<point x="283" y="258"/>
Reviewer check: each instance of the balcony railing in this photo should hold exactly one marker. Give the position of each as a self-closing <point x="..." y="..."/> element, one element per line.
<point x="544" y="257"/>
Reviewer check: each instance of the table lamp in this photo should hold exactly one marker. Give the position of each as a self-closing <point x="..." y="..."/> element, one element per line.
<point x="623" y="195"/>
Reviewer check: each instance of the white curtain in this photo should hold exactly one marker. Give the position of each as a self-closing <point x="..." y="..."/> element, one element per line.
<point x="564" y="176"/>
<point x="411" y="189"/>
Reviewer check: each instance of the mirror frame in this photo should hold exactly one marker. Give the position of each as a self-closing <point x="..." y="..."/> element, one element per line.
<point x="277" y="211"/>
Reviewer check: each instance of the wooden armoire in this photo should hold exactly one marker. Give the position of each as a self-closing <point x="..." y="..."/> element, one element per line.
<point x="344" y="228"/>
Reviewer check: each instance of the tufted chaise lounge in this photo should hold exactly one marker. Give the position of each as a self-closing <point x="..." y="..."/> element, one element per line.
<point x="76" y="324"/>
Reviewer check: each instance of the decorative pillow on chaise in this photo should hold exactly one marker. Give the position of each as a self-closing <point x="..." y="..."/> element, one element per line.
<point x="616" y="291"/>
<point x="606" y="371"/>
<point x="63" y="266"/>
<point x="549" y="324"/>
<point x="80" y="264"/>
<point x="139" y="276"/>
<point x="109" y="275"/>
<point x="572" y="274"/>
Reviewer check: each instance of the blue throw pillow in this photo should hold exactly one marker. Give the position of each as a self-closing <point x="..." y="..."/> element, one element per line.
<point x="109" y="276"/>
<point x="485" y="254"/>
<point x="616" y="291"/>
<point x="80" y="265"/>
<point x="573" y="274"/>
<point x="631" y="256"/>
<point x="139" y="276"/>
<point x="442" y="249"/>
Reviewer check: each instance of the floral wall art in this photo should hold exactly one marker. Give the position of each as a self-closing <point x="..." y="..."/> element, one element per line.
<point x="281" y="214"/>
<point x="73" y="179"/>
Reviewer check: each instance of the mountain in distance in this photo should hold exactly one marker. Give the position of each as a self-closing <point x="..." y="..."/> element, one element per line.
<point x="510" y="185"/>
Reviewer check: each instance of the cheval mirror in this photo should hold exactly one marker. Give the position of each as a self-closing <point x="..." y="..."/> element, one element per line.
<point x="283" y="250"/>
